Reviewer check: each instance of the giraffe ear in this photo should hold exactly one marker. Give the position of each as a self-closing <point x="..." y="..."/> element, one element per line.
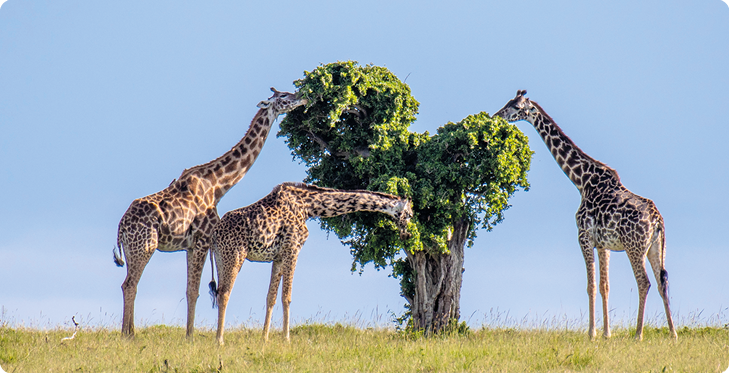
<point x="274" y="90"/>
<point x="264" y="104"/>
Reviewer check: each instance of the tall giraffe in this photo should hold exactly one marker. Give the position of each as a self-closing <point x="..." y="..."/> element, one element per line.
<point x="274" y="229"/>
<point x="182" y="216"/>
<point x="610" y="217"/>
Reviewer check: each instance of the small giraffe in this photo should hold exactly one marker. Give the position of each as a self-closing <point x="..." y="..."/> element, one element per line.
<point x="610" y="217"/>
<point x="274" y="229"/>
<point x="182" y="216"/>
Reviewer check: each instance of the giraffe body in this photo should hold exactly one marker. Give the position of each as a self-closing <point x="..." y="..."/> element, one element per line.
<point x="610" y="217"/>
<point x="181" y="217"/>
<point x="274" y="230"/>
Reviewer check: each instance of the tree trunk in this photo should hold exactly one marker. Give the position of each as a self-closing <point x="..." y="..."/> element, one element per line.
<point x="438" y="279"/>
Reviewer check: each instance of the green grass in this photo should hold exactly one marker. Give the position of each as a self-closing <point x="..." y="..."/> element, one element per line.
<point x="338" y="348"/>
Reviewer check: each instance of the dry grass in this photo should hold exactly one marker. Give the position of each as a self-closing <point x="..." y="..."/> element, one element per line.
<point x="338" y="348"/>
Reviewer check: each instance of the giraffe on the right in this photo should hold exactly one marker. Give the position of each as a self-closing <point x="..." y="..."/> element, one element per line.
<point x="610" y="217"/>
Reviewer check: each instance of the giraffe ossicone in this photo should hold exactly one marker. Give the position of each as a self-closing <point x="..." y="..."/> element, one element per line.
<point x="181" y="217"/>
<point x="273" y="229"/>
<point x="610" y="217"/>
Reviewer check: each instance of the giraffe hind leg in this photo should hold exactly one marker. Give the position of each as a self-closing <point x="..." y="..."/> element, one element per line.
<point x="227" y="273"/>
<point x="195" y="261"/>
<point x="656" y="258"/>
<point x="276" y="272"/>
<point x="138" y="252"/>
<point x="637" y="260"/>
<point x="286" y="288"/>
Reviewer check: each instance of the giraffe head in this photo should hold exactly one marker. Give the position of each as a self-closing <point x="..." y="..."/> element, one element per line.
<point x="282" y="102"/>
<point x="518" y="108"/>
<point x="403" y="214"/>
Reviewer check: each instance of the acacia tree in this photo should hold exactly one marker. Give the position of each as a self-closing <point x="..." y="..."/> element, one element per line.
<point x="354" y="134"/>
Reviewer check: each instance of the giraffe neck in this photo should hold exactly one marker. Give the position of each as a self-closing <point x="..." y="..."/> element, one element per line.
<point x="325" y="203"/>
<point x="578" y="166"/>
<point x="225" y="171"/>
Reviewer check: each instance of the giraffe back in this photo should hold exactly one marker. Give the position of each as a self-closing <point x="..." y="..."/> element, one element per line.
<point x="616" y="218"/>
<point x="186" y="205"/>
<point x="260" y="230"/>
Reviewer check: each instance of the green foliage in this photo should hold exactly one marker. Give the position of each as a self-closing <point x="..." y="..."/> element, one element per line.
<point x="472" y="166"/>
<point x="354" y="134"/>
<point x="402" y="270"/>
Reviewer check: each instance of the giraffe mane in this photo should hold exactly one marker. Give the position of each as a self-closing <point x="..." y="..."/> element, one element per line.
<point x="601" y="164"/>
<point x="191" y="170"/>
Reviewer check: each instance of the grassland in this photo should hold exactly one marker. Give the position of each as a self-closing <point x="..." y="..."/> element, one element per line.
<point x="338" y="348"/>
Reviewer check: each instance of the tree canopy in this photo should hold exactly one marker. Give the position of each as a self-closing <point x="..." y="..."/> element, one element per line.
<point x="353" y="134"/>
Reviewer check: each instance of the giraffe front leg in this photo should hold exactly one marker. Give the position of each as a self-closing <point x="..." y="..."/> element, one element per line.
<point x="588" y="252"/>
<point x="286" y="288"/>
<point x="604" y="260"/>
<point x="271" y="298"/>
<point x="637" y="261"/>
<point x="195" y="261"/>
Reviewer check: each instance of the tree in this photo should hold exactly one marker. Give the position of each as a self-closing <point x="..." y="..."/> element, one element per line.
<point x="354" y="134"/>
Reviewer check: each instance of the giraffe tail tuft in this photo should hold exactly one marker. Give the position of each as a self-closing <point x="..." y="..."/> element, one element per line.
<point x="212" y="285"/>
<point x="213" y="293"/>
<point x="664" y="283"/>
<point x="118" y="260"/>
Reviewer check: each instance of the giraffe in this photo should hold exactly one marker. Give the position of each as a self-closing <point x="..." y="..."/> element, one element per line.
<point x="274" y="229"/>
<point x="610" y="217"/>
<point x="182" y="216"/>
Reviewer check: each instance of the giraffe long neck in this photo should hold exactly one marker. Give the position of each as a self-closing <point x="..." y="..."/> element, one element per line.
<point x="328" y="203"/>
<point x="577" y="165"/>
<point x="225" y="171"/>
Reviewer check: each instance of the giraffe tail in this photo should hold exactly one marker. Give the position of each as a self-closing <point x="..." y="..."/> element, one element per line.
<point x="118" y="260"/>
<point x="212" y="285"/>
<point x="664" y="273"/>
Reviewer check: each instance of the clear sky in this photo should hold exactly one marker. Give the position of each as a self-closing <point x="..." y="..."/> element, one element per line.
<point x="105" y="102"/>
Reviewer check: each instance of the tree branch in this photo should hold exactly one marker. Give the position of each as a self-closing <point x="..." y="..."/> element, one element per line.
<point x="357" y="110"/>
<point x="324" y="146"/>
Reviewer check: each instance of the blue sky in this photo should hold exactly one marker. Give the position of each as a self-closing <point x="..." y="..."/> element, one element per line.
<point x="105" y="102"/>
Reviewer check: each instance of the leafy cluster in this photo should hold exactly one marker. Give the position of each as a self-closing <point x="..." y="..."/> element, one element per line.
<point x="353" y="134"/>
